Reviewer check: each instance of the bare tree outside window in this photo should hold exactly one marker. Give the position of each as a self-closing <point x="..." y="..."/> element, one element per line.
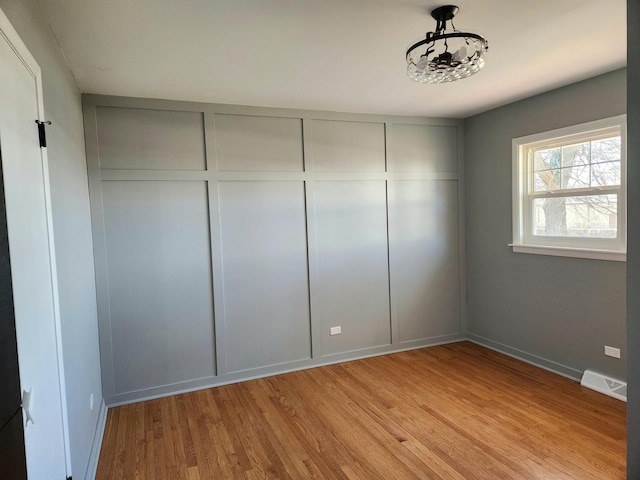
<point x="569" y="191"/>
<point x="576" y="170"/>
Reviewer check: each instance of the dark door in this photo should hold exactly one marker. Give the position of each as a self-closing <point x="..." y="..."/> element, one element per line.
<point x="12" y="455"/>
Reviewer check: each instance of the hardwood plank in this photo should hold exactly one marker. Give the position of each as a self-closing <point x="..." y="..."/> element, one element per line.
<point x="320" y="445"/>
<point x="167" y="439"/>
<point x="233" y="426"/>
<point x="456" y="411"/>
<point x="140" y="442"/>
<point x="195" y="417"/>
<point x="187" y="441"/>
<point x="160" y="469"/>
<point x="218" y="441"/>
<point x="150" y="460"/>
<point x="286" y="446"/>
<point x="193" y="473"/>
<point x="119" y="457"/>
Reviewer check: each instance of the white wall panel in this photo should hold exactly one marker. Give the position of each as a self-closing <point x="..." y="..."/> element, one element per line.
<point x="265" y="282"/>
<point x="423" y="148"/>
<point x="159" y="274"/>
<point x="340" y="146"/>
<point x="131" y="138"/>
<point x="259" y="144"/>
<point x="352" y="256"/>
<point x="423" y="238"/>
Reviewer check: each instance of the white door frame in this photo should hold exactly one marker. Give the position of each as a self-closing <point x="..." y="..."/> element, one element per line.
<point x="11" y="37"/>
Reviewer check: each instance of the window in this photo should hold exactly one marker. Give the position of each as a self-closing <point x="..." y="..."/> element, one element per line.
<point x="569" y="191"/>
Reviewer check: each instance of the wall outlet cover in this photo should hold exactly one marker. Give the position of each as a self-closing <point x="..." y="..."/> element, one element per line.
<point x="611" y="352"/>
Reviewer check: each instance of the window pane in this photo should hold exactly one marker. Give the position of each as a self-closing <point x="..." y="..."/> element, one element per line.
<point x="547" y="180"/>
<point x="605" y="174"/>
<point x="606" y="150"/>
<point x="577" y="154"/>
<point x="575" y="177"/>
<point x="546" y="159"/>
<point x="591" y="216"/>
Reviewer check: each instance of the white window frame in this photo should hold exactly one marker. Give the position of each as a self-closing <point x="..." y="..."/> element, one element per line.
<point x="595" y="248"/>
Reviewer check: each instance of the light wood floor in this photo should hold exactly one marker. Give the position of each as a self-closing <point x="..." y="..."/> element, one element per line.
<point x="453" y="412"/>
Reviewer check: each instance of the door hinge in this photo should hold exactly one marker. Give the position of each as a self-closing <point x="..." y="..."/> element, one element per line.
<point x="41" y="133"/>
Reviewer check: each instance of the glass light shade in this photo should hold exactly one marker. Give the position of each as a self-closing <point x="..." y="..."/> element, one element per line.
<point x="446" y="59"/>
<point x="447" y="54"/>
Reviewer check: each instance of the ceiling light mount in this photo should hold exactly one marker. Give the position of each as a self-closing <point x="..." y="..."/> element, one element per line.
<point x="444" y="13"/>
<point x="447" y="54"/>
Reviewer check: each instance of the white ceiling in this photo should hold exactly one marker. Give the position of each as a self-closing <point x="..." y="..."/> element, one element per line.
<point x="339" y="55"/>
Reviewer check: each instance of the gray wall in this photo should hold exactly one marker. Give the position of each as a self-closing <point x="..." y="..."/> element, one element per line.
<point x="633" y="256"/>
<point x="558" y="312"/>
<point x="72" y="228"/>
<point x="229" y="240"/>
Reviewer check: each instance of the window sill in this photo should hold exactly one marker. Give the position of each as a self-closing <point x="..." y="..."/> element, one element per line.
<point x="611" y="255"/>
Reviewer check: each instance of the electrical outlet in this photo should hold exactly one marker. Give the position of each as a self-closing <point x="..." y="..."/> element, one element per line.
<point x="336" y="330"/>
<point x="612" y="352"/>
<point x="91" y="402"/>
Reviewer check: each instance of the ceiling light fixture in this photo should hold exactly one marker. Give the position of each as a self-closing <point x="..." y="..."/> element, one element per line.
<point x="446" y="55"/>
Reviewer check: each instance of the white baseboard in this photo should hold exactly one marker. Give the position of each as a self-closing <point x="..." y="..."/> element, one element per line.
<point x="96" y="445"/>
<point x="185" y="387"/>
<point x="543" y="363"/>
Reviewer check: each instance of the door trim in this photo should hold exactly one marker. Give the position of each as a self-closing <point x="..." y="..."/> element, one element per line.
<point x="12" y="38"/>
